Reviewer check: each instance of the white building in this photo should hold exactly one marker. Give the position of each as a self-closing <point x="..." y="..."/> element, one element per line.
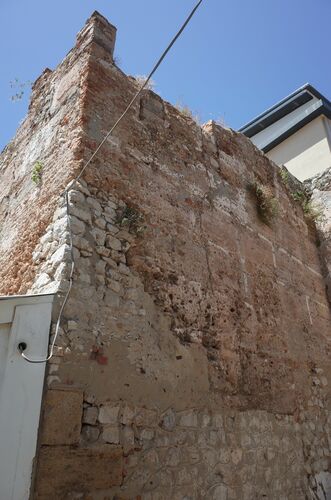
<point x="296" y="132"/>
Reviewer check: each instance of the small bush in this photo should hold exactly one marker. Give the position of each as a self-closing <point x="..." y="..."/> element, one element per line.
<point x="284" y="175"/>
<point x="186" y="111"/>
<point x="37" y="172"/>
<point x="266" y="203"/>
<point x="130" y="217"/>
<point x="311" y="210"/>
<point x="140" y="79"/>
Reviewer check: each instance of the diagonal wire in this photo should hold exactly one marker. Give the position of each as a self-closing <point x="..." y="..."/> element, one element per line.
<point x="66" y="191"/>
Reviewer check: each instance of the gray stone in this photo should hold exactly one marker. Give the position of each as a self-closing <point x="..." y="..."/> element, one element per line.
<point x="90" y="433"/>
<point x="94" y="204"/>
<point x="122" y="268"/>
<point x="59" y="213"/>
<point x="110" y="214"/>
<point x="168" y="420"/>
<point x="188" y="419"/>
<point x="90" y="415"/>
<point x="108" y="414"/>
<point x="46" y="238"/>
<point x="114" y="285"/>
<point x="113" y="243"/>
<point x="72" y="325"/>
<point x="60" y="226"/>
<point x="112" y="299"/>
<point x="103" y="251"/>
<point x="42" y="281"/>
<point x="112" y="229"/>
<point x="100" y="223"/>
<point x="127" y="415"/>
<point x="111" y="434"/>
<point x="219" y="492"/>
<point x="100" y="267"/>
<point x="80" y="213"/>
<point x="99" y="236"/>
<point x="82" y="244"/>
<point x="76" y="197"/>
<point x="77" y="226"/>
<point x="127" y="439"/>
<point x="63" y="254"/>
<point x="61" y="271"/>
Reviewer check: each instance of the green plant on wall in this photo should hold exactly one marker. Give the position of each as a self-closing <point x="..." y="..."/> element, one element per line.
<point x="284" y="175"/>
<point x="311" y="210"/>
<point x="130" y="218"/>
<point x="266" y="203"/>
<point x="37" y="172"/>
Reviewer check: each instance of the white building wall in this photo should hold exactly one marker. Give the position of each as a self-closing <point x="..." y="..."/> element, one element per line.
<point x="22" y="319"/>
<point x="307" y="152"/>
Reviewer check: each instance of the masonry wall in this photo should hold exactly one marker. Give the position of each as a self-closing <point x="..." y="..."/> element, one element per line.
<point x="193" y="357"/>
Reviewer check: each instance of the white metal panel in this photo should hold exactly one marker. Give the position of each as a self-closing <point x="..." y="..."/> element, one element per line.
<point x="21" y="387"/>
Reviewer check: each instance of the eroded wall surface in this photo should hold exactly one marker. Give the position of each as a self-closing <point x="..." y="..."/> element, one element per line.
<point x="193" y="356"/>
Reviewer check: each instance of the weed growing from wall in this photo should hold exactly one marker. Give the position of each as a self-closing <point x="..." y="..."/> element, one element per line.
<point x="141" y="79"/>
<point x="37" y="172"/>
<point x="266" y="203"/>
<point x="187" y="112"/>
<point x="312" y="211"/>
<point x="130" y="218"/>
<point x="284" y="175"/>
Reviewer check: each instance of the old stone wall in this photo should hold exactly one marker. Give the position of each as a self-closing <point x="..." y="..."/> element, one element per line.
<point x="193" y="356"/>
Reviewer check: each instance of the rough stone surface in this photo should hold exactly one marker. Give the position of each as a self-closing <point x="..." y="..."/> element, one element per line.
<point x="199" y="334"/>
<point x="62" y="415"/>
<point x="65" y="472"/>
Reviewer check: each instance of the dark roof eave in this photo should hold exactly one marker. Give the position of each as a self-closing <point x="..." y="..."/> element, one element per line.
<point x="322" y="110"/>
<point x="296" y="99"/>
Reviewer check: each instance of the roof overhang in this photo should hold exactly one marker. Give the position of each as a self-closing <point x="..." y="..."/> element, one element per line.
<point x="294" y="101"/>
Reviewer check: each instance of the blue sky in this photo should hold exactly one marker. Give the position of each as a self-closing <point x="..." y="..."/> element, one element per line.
<point x="237" y="57"/>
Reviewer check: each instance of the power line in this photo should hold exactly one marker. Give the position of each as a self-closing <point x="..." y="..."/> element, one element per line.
<point x="22" y="346"/>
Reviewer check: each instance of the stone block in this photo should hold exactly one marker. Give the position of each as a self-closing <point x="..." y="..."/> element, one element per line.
<point x="188" y="419"/>
<point x="168" y="420"/>
<point x="112" y="299"/>
<point x="62" y="416"/>
<point x="90" y="434"/>
<point x="111" y="434"/>
<point x="127" y="415"/>
<point x="108" y="414"/>
<point x="151" y="107"/>
<point x="83" y="215"/>
<point x="99" y="236"/>
<point x="127" y="439"/>
<point x="147" y="434"/>
<point x="42" y="280"/>
<point x="145" y="417"/>
<point x="100" y="223"/>
<point x="103" y="251"/>
<point x="113" y="243"/>
<point x="63" y="471"/>
<point x="76" y="197"/>
<point x="100" y="267"/>
<point x="90" y="415"/>
<point x="61" y="255"/>
<point x="94" y="204"/>
<point x="77" y="226"/>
